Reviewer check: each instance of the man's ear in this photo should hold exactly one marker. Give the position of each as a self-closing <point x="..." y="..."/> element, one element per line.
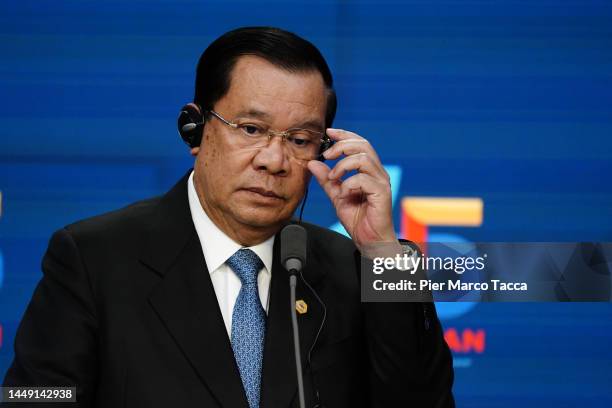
<point x="191" y="124"/>
<point x="195" y="150"/>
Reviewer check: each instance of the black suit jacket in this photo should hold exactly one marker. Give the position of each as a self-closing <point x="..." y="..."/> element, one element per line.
<point x="127" y="313"/>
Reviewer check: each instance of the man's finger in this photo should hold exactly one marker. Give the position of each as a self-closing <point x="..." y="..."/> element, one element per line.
<point x="366" y="184"/>
<point x="321" y="171"/>
<point x="341" y="134"/>
<point x="348" y="147"/>
<point x="360" y="162"/>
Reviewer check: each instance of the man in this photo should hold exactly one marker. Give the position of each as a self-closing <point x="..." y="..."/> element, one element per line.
<point x="182" y="301"/>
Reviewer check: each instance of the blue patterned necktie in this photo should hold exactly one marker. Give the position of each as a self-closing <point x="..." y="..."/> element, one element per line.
<point x="248" y="323"/>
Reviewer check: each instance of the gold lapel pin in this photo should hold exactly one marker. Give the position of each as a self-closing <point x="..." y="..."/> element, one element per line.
<point x="301" y="306"/>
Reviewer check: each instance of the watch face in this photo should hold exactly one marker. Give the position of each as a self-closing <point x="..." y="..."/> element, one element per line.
<point x="411" y="252"/>
<point x="411" y="249"/>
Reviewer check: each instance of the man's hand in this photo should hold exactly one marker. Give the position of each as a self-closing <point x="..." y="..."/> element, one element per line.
<point x="362" y="201"/>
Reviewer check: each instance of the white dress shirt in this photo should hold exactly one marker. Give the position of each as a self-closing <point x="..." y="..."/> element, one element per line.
<point x="217" y="248"/>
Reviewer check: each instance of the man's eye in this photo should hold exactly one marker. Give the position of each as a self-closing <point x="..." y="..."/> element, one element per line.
<point x="251" y="129"/>
<point x="299" y="140"/>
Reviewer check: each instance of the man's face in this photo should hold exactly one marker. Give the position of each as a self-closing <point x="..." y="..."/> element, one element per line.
<point x="257" y="188"/>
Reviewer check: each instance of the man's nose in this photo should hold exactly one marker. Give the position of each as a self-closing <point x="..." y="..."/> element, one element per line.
<point x="273" y="157"/>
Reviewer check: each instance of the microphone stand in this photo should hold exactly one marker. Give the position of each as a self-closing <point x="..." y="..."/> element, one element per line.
<point x="293" y="257"/>
<point x="296" y="339"/>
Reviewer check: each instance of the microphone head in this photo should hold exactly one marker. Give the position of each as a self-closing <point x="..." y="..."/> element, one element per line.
<point x="293" y="247"/>
<point x="189" y="127"/>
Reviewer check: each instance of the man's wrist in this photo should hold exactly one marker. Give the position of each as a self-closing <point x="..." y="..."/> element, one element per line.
<point x="382" y="249"/>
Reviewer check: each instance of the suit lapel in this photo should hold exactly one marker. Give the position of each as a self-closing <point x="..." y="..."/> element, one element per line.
<point x="279" y="383"/>
<point x="185" y="300"/>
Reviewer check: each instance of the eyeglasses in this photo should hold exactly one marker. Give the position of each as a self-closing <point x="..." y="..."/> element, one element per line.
<point x="302" y="144"/>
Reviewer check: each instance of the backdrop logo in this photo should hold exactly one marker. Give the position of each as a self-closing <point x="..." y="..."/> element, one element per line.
<point x="464" y="344"/>
<point x="465" y="341"/>
<point x="419" y="213"/>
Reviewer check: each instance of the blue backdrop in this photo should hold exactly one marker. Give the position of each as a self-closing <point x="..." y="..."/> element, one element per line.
<point x="509" y="101"/>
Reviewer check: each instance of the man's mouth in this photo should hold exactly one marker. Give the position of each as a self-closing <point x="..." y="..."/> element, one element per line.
<point x="264" y="192"/>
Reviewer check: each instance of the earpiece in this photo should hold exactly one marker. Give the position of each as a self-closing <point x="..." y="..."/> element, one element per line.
<point x="327" y="143"/>
<point x="190" y="123"/>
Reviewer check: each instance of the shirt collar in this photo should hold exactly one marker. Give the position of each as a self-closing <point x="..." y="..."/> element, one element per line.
<point x="216" y="245"/>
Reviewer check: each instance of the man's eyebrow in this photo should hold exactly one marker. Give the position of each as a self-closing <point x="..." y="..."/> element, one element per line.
<point x="254" y="113"/>
<point x="310" y="124"/>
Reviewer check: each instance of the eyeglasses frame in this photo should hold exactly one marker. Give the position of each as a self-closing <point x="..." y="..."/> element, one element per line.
<point x="326" y="142"/>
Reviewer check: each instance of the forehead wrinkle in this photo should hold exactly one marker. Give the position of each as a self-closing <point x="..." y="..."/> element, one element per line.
<point x="282" y="98"/>
<point x="253" y="113"/>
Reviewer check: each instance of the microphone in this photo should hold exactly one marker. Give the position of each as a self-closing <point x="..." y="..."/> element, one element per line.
<point x="293" y="258"/>
<point x="293" y="248"/>
<point x="190" y="126"/>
